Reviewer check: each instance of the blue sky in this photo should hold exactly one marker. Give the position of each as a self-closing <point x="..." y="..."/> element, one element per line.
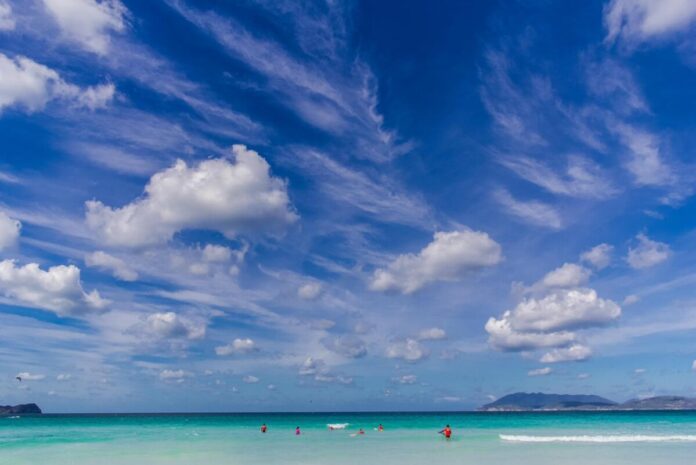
<point x="248" y="206"/>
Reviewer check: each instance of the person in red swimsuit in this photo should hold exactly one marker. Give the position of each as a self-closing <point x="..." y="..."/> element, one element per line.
<point x="447" y="432"/>
<point x="264" y="428"/>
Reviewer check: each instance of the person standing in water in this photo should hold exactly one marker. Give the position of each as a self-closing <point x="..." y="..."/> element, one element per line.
<point x="447" y="432"/>
<point x="264" y="428"/>
<point x="297" y="431"/>
<point x="380" y="428"/>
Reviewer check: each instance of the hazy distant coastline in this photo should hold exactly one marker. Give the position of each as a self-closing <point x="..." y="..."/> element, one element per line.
<point x="539" y="402"/>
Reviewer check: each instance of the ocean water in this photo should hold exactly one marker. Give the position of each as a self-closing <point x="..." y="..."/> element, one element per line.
<point x="610" y="438"/>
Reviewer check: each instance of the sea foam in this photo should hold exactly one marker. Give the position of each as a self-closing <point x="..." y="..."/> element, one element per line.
<point x="599" y="438"/>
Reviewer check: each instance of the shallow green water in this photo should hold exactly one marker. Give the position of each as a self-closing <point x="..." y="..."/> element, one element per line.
<point x="479" y="438"/>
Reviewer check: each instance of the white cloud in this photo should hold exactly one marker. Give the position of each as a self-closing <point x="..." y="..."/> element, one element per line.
<point x="563" y="310"/>
<point x="174" y="374"/>
<point x="9" y="231"/>
<point x="7" y="21"/>
<point x="647" y="253"/>
<point x="532" y="212"/>
<point x="584" y="376"/>
<point x="547" y="322"/>
<point x="449" y="257"/>
<point x="311" y="366"/>
<point x="233" y="198"/>
<point x="57" y="289"/>
<point x="26" y="376"/>
<point x="639" y="371"/>
<point x="31" y="85"/>
<point x="598" y="256"/>
<point x="576" y="352"/>
<point x="63" y="377"/>
<point x="250" y="379"/>
<point x="238" y="346"/>
<point x="409" y="350"/>
<point x="432" y="334"/>
<point x="347" y="345"/>
<point x="540" y="372"/>
<point x="693" y="365"/>
<point x="171" y="325"/>
<point x="582" y="177"/>
<point x="216" y="253"/>
<point x="502" y="336"/>
<point x="406" y="379"/>
<point x="645" y="161"/>
<point x="631" y="299"/>
<point x="89" y="22"/>
<point x="309" y="291"/>
<point x="118" y="267"/>
<point x="637" y="21"/>
<point x="568" y="275"/>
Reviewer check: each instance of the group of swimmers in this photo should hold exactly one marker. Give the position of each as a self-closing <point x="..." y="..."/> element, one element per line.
<point x="446" y="432"/>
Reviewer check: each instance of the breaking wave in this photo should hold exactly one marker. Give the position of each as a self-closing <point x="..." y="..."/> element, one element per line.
<point x="602" y="439"/>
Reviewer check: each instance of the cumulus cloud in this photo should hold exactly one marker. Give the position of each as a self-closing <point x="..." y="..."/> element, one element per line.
<point x="637" y="21"/>
<point x="548" y="321"/>
<point x="409" y="350"/>
<point x="540" y="372"/>
<point x="598" y="256"/>
<point x="576" y="352"/>
<point x="238" y="346"/>
<point x="118" y="267"/>
<point x="57" y="289"/>
<point x="449" y="257"/>
<point x="647" y="253"/>
<point x="317" y="369"/>
<point x="217" y="253"/>
<point x="346" y="345"/>
<point x="567" y="275"/>
<point x="9" y="231"/>
<point x="172" y="325"/>
<point x="532" y="212"/>
<point x="174" y="374"/>
<point x="88" y="22"/>
<point x="432" y="334"/>
<point x="406" y="379"/>
<point x="631" y="299"/>
<point x="26" y="376"/>
<point x="250" y="379"/>
<point x="563" y="310"/>
<point x="31" y="85"/>
<point x="232" y="198"/>
<point x="7" y="21"/>
<point x="309" y="291"/>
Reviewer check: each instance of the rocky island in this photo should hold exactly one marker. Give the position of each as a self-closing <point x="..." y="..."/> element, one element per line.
<point x="22" y="409"/>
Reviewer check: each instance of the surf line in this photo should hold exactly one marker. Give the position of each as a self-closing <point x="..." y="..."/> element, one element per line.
<point x="600" y="439"/>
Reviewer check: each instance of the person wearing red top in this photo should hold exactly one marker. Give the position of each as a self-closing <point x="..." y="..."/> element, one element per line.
<point x="264" y="428"/>
<point x="447" y="432"/>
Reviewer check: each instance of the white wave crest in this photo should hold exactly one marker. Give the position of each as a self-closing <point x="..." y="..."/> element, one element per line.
<point x="607" y="439"/>
<point x="338" y="425"/>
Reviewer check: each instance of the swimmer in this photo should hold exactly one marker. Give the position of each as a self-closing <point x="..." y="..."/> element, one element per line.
<point x="297" y="431"/>
<point x="380" y="428"/>
<point x="264" y="428"/>
<point x="447" y="432"/>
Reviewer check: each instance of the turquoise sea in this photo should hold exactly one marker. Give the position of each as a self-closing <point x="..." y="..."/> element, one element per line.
<point x="409" y="438"/>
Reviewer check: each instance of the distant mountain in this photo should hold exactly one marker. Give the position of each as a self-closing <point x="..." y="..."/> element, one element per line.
<point x="19" y="409"/>
<point x="525" y="402"/>
<point x="522" y="401"/>
<point x="660" y="403"/>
